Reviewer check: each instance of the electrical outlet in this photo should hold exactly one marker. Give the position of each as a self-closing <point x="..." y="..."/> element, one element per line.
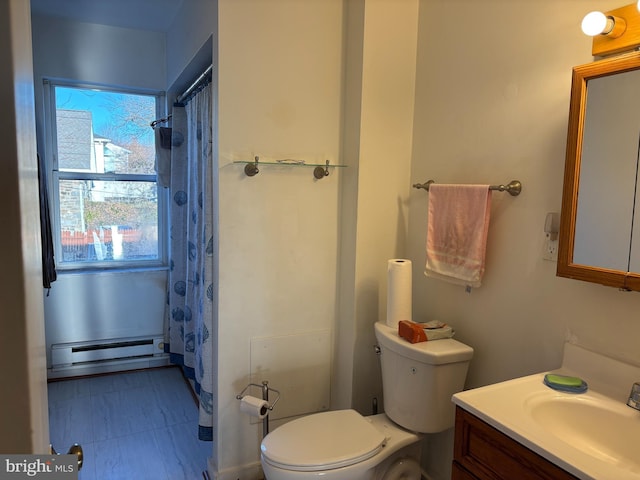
<point x="550" y="249"/>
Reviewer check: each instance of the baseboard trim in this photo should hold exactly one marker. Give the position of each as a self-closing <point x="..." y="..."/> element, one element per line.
<point x="251" y="471"/>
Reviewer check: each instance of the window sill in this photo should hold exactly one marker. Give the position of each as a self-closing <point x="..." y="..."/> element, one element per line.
<point x="110" y="270"/>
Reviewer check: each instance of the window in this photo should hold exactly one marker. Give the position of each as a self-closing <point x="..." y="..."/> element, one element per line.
<point x="108" y="207"/>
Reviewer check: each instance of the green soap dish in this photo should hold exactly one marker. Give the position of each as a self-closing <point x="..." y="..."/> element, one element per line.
<point x="565" y="383"/>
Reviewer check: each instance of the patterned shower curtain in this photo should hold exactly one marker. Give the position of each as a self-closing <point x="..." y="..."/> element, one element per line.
<point x="190" y="290"/>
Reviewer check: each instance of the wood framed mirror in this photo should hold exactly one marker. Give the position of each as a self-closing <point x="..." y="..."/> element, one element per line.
<point x="599" y="237"/>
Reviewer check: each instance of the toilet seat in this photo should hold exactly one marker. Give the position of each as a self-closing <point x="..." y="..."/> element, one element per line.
<point x="322" y="441"/>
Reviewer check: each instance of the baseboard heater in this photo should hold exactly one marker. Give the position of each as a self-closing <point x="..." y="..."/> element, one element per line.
<point x="65" y="355"/>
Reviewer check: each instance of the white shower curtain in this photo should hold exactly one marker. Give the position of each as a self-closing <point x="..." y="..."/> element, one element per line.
<point x="189" y="313"/>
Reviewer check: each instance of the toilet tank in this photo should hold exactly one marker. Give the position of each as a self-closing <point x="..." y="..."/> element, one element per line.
<point x="419" y="379"/>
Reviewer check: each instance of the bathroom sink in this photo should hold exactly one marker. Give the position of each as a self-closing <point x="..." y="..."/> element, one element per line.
<point x="598" y="426"/>
<point x="592" y="435"/>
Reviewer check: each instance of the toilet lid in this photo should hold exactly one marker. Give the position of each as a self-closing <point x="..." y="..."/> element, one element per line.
<point x="322" y="441"/>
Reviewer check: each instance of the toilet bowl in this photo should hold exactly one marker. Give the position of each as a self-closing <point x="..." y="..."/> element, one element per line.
<point x="418" y="382"/>
<point x="340" y="445"/>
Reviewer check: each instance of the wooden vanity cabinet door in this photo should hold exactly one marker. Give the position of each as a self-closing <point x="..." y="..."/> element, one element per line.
<point x="459" y="473"/>
<point x="483" y="453"/>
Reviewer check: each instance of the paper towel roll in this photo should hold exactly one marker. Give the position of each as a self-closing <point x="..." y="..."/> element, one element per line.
<point x="398" y="291"/>
<point x="254" y="407"/>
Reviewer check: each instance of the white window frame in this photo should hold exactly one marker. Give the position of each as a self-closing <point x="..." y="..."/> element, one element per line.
<point x="54" y="177"/>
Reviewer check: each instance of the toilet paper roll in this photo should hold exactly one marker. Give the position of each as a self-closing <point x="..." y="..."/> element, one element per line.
<point x="254" y="407"/>
<point x="399" y="275"/>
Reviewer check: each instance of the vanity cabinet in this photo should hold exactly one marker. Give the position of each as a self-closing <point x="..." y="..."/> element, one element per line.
<point x="481" y="452"/>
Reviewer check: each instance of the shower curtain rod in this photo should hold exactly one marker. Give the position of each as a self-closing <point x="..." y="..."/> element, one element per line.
<point x="186" y="93"/>
<point x="195" y="84"/>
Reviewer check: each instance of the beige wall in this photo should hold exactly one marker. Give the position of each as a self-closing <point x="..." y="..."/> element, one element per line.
<point x="285" y="89"/>
<point x="382" y="183"/>
<point x="487" y="111"/>
<point x="279" y="87"/>
<point x="489" y="106"/>
<point x="492" y="103"/>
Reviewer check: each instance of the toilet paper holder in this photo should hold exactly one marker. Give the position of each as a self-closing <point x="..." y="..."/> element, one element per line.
<point x="265" y="392"/>
<point x="265" y="388"/>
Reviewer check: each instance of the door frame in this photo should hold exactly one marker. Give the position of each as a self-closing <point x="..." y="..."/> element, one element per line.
<point x="22" y="356"/>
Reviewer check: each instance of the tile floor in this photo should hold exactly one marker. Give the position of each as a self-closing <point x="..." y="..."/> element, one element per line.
<point x="135" y="425"/>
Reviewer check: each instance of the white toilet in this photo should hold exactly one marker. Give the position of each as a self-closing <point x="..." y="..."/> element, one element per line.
<point x="418" y="381"/>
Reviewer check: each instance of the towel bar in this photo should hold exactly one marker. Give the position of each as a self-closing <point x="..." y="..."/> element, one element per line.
<point x="514" y="187"/>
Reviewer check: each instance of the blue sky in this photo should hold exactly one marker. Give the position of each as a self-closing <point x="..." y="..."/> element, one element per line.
<point x="104" y="108"/>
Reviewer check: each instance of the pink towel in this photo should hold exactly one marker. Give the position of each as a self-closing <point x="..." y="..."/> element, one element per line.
<point x="457" y="232"/>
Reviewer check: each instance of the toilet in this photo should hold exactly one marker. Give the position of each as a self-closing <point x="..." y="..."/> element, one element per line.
<point x="418" y="381"/>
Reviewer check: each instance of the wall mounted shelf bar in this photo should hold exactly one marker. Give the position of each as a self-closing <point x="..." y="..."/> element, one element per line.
<point x="320" y="170"/>
<point x="513" y="188"/>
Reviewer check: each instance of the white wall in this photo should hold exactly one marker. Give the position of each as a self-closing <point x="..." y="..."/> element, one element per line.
<point x="98" y="53"/>
<point x="23" y="419"/>
<point x="111" y="56"/>
<point x="492" y="103"/>
<point x="194" y="24"/>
